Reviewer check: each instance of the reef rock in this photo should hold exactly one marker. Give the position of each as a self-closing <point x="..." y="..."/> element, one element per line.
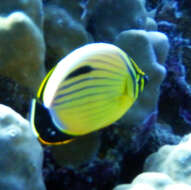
<point x="109" y="18"/>
<point x="173" y="160"/>
<point x="33" y="8"/>
<point x="23" y="40"/>
<point x="21" y="154"/>
<point x="149" y="51"/>
<point x="153" y="181"/>
<point x="70" y="34"/>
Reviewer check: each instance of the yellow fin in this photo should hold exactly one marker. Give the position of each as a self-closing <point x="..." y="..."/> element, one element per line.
<point x="138" y="70"/>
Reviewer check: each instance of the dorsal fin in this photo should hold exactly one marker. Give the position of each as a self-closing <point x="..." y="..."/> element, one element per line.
<point x="136" y="68"/>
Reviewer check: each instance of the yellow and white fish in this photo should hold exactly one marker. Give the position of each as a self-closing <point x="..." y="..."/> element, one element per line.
<point x="89" y="89"/>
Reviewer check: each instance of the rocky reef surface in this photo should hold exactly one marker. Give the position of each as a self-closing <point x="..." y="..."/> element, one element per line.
<point x="36" y="34"/>
<point x="168" y="168"/>
<point x="21" y="154"/>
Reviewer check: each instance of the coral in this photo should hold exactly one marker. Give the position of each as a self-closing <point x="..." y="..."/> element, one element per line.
<point x="77" y="152"/>
<point x="150" y="60"/>
<point x="99" y="174"/>
<point x="174" y="105"/>
<point x="153" y="56"/>
<point x="128" y="15"/>
<point x="75" y="9"/>
<point x="20" y="96"/>
<point x="153" y="181"/>
<point x="70" y="34"/>
<point x="117" y="155"/>
<point x="22" y="52"/>
<point x="21" y="154"/>
<point x="161" y="134"/>
<point x="21" y="37"/>
<point x="173" y="20"/>
<point x="149" y="49"/>
<point x="173" y="160"/>
<point x="23" y="40"/>
<point x="136" y="124"/>
<point x="166" y="169"/>
<point x="33" y="8"/>
<point x="59" y="20"/>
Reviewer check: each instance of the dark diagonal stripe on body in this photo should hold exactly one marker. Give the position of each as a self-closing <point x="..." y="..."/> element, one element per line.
<point x="91" y="105"/>
<point x="85" y="80"/>
<point x="82" y="97"/>
<point x="97" y="115"/>
<point x="91" y="111"/>
<point x="83" y="89"/>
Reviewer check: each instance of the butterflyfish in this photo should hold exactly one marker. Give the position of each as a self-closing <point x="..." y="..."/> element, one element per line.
<point x="89" y="89"/>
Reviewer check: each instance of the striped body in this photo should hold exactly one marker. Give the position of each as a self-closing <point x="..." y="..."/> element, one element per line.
<point x="91" y="88"/>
